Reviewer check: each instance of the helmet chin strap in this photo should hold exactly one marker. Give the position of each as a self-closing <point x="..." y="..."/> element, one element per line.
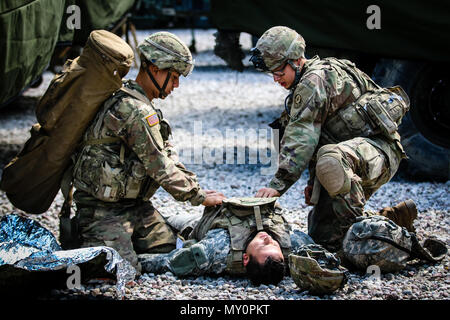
<point x="298" y="73"/>
<point x="162" y="91"/>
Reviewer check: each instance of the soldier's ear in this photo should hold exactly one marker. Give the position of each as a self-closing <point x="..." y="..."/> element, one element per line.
<point x="153" y="69"/>
<point x="245" y="259"/>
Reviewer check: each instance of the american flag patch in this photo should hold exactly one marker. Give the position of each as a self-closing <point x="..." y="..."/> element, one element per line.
<point x="152" y="119"/>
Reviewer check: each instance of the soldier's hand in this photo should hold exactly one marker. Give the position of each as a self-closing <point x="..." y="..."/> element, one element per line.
<point x="267" y="193"/>
<point x="213" y="199"/>
<point x="308" y="194"/>
<point x="213" y="192"/>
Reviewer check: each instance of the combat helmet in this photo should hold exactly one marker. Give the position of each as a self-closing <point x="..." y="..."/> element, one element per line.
<point x="166" y="51"/>
<point x="277" y="46"/>
<point x="317" y="270"/>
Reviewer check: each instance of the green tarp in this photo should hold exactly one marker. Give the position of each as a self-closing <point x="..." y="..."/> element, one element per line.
<point x="29" y="31"/>
<point x="409" y="29"/>
<point x="100" y="14"/>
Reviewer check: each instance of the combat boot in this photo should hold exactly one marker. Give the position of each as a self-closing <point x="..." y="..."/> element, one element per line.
<point x="402" y="214"/>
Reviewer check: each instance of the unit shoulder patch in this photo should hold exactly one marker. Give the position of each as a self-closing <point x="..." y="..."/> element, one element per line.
<point x="152" y="119"/>
<point x="153" y="123"/>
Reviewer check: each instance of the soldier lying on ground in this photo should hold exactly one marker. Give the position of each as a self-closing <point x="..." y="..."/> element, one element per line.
<point x="126" y="157"/>
<point x="232" y="239"/>
<point x="342" y="124"/>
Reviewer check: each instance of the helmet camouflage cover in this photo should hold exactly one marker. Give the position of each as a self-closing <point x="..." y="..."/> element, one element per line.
<point x="376" y="240"/>
<point x="315" y="269"/>
<point x="279" y="44"/>
<point x="167" y="51"/>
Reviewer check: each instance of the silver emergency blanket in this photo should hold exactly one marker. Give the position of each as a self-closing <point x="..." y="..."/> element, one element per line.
<point x="25" y="244"/>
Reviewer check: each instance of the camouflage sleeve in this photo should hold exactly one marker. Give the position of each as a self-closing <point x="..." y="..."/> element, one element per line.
<point x="206" y="256"/>
<point x="302" y="132"/>
<point x="138" y="126"/>
<point x="173" y="154"/>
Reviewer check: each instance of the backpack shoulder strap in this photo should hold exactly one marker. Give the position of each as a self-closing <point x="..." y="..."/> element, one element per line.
<point x="351" y="69"/>
<point x="136" y="95"/>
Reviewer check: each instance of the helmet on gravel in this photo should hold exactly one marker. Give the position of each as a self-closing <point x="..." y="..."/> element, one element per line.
<point x="315" y="269"/>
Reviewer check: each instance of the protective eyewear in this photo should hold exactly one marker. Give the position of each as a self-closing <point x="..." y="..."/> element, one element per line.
<point x="280" y="72"/>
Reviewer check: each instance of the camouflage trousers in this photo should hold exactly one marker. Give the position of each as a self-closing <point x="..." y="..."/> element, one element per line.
<point x="130" y="228"/>
<point x="367" y="165"/>
<point x="182" y="223"/>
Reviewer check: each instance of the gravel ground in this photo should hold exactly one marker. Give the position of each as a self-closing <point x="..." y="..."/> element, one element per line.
<point x="205" y="112"/>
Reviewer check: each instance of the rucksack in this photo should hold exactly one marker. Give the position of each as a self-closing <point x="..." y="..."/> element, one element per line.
<point x="377" y="240"/>
<point x="33" y="178"/>
<point x="376" y="111"/>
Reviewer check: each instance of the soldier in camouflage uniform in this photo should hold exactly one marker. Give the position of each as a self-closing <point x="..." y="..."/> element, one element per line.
<point x="327" y="125"/>
<point x="126" y="156"/>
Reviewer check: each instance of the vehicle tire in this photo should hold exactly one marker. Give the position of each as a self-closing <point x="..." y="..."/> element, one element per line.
<point x="425" y="129"/>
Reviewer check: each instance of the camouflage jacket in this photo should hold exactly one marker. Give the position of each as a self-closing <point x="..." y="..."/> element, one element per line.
<point x="127" y="154"/>
<point x="324" y="88"/>
<point x="208" y="256"/>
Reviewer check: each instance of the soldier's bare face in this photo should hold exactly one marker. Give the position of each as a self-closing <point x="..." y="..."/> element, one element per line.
<point x="263" y="246"/>
<point x="284" y="75"/>
<point x="173" y="80"/>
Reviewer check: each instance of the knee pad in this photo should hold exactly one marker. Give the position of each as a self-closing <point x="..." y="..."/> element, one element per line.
<point x="332" y="175"/>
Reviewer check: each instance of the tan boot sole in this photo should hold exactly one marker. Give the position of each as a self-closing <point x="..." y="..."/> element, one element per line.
<point x="411" y="206"/>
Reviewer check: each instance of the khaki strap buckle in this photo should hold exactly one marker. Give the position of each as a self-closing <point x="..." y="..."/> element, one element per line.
<point x="259" y="225"/>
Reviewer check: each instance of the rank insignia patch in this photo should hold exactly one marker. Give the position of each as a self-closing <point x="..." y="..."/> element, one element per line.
<point x="298" y="99"/>
<point x="152" y="119"/>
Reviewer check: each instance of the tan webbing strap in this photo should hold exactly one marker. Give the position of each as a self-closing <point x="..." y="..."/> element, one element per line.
<point x="316" y="191"/>
<point x="259" y="225"/>
<point x="122" y="154"/>
<point x="92" y="142"/>
<point x="136" y="94"/>
<point x="234" y="263"/>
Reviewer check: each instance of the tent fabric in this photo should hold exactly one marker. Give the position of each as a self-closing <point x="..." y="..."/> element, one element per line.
<point x="28" y="34"/>
<point x="409" y="29"/>
<point x="30" y="30"/>
<point x="100" y="14"/>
